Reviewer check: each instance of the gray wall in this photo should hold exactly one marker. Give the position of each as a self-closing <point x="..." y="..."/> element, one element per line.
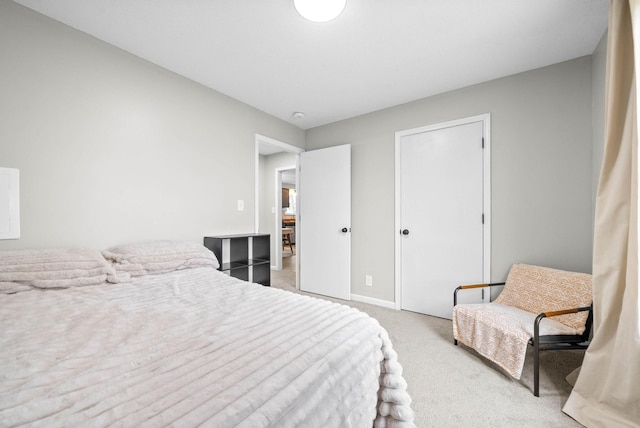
<point x="112" y="149"/>
<point x="541" y="170"/>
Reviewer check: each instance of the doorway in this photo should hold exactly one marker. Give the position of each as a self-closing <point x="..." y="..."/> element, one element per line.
<point x="442" y="214"/>
<point x="286" y="215"/>
<point x="274" y="158"/>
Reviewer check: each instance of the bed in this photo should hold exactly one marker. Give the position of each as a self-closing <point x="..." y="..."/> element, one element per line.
<point x="154" y="335"/>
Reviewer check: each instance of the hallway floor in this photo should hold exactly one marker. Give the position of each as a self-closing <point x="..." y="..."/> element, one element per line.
<point x="286" y="278"/>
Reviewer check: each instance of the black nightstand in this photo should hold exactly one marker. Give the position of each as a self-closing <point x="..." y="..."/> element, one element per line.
<point x="246" y="257"/>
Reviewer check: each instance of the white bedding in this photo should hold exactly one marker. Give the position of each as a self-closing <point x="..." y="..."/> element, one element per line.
<point x="194" y="347"/>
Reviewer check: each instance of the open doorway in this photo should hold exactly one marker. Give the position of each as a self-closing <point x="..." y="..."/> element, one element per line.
<point x="273" y="213"/>
<point x="286" y="196"/>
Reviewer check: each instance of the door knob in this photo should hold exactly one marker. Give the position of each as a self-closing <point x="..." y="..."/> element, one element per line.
<point x="405" y="231"/>
<point x="344" y="230"/>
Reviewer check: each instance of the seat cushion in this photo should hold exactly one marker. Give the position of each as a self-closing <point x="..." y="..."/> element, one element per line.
<point x="501" y="333"/>
<point x="538" y="289"/>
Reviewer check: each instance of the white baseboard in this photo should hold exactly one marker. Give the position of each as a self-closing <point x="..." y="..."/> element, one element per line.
<point x="373" y="301"/>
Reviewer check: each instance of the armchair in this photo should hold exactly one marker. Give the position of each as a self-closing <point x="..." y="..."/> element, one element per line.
<point x="545" y="308"/>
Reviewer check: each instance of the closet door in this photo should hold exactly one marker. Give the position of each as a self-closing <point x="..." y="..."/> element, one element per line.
<point x="442" y="221"/>
<point x="324" y="227"/>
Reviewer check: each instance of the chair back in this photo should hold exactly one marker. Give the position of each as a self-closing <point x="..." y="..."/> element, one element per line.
<point x="540" y="289"/>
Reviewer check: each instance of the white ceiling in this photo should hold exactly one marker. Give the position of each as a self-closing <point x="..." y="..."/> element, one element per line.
<point x="377" y="54"/>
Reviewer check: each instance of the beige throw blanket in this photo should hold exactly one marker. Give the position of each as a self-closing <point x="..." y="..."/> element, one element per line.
<point x="500" y="331"/>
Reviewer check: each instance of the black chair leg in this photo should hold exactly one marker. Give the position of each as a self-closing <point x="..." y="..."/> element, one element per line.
<point x="536" y="369"/>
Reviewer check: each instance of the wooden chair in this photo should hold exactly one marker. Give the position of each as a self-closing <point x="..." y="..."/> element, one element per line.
<point x="287" y="232"/>
<point x="545" y="308"/>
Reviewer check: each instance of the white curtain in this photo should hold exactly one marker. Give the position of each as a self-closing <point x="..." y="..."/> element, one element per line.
<point x="607" y="391"/>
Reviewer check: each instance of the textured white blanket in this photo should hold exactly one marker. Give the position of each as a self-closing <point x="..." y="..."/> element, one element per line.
<point x="190" y="348"/>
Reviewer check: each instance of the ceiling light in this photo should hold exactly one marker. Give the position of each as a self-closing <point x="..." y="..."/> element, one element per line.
<point x="319" y="10"/>
<point x="298" y="115"/>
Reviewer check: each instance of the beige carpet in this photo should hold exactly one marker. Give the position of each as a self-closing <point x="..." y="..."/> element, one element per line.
<point x="453" y="387"/>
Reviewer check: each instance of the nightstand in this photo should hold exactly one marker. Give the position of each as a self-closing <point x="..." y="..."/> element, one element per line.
<point x="246" y="256"/>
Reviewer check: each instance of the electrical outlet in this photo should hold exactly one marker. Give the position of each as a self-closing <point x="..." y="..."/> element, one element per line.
<point x="368" y="280"/>
<point x="240" y="205"/>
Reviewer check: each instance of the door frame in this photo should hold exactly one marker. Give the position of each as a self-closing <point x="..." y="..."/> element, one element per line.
<point x="284" y="147"/>
<point x="486" y="195"/>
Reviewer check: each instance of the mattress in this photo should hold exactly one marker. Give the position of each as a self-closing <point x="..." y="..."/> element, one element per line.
<point x="194" y="348"/>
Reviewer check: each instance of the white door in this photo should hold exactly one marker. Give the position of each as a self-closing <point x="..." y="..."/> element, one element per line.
<point x="324" y="227"/>
<point x="442" y="216"/>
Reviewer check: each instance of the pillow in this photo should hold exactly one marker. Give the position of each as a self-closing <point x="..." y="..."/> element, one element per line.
<point x="13" y="287"/>
<point x="51" y="268"/>
<point x="157" y="257"/>
<point x="539" y="289"/>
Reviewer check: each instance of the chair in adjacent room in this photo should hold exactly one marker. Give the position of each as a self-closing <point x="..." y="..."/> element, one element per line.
<point x="287" y="233"/>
